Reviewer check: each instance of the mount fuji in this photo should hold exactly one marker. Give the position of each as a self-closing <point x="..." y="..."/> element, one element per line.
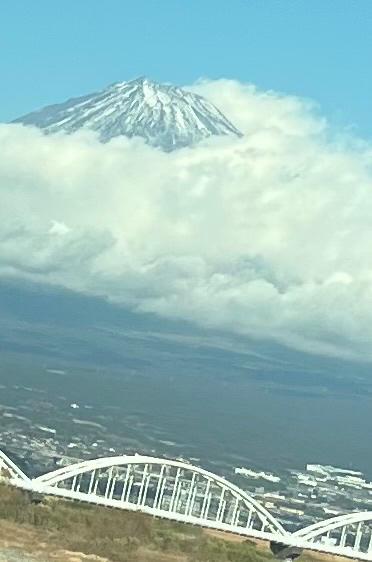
<point x="166" y="116"/>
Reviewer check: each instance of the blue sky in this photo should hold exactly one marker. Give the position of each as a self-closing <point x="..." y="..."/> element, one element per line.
<point x="320" y="49"/>
<point x="292" y="262"/>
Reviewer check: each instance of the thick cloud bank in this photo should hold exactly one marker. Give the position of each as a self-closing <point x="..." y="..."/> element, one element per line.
<point x="269" y="235"/>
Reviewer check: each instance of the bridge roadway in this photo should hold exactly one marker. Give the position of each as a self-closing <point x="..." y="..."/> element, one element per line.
<point x="185" y="493"/>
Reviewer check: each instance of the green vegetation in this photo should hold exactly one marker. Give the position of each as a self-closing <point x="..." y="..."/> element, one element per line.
<point x="118" y="536"/>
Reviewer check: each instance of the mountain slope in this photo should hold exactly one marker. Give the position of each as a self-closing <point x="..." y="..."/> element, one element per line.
<point x="165" y="116"/>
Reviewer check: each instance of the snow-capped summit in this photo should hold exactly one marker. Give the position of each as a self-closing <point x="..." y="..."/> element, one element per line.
<point x="165" y="116"/>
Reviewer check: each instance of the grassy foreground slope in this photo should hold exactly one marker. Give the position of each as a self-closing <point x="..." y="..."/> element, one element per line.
<point x="65" y="531"/>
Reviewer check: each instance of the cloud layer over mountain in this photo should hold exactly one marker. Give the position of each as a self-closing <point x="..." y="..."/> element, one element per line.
<point x="269" y="235"/>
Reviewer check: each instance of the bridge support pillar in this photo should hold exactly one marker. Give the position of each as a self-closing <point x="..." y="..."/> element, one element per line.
<point x="284" y="551"/>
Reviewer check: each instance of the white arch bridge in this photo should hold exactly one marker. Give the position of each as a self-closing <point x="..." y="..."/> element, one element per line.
<point x="181" y="492"/>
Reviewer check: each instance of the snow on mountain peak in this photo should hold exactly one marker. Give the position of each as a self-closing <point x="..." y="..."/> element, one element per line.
<point x="166" y="116"/>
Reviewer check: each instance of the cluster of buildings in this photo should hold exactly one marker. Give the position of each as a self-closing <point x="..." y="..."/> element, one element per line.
<point x="296" y="497"/>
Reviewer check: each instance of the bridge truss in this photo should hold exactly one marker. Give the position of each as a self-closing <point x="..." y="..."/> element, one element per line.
<point x="9" y="469"/>
<point x="164" y="488"/>
<point x="182" y="492"/>
<point x="349" y="534"/>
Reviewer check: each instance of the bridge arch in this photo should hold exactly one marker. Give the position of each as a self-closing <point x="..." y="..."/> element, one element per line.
<point x="161" y="487"/>
<point x="180" y="491"/>
<point x="350" y="532"/>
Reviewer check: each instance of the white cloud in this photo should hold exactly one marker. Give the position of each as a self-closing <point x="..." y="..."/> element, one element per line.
<point x="269" y="235"/>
